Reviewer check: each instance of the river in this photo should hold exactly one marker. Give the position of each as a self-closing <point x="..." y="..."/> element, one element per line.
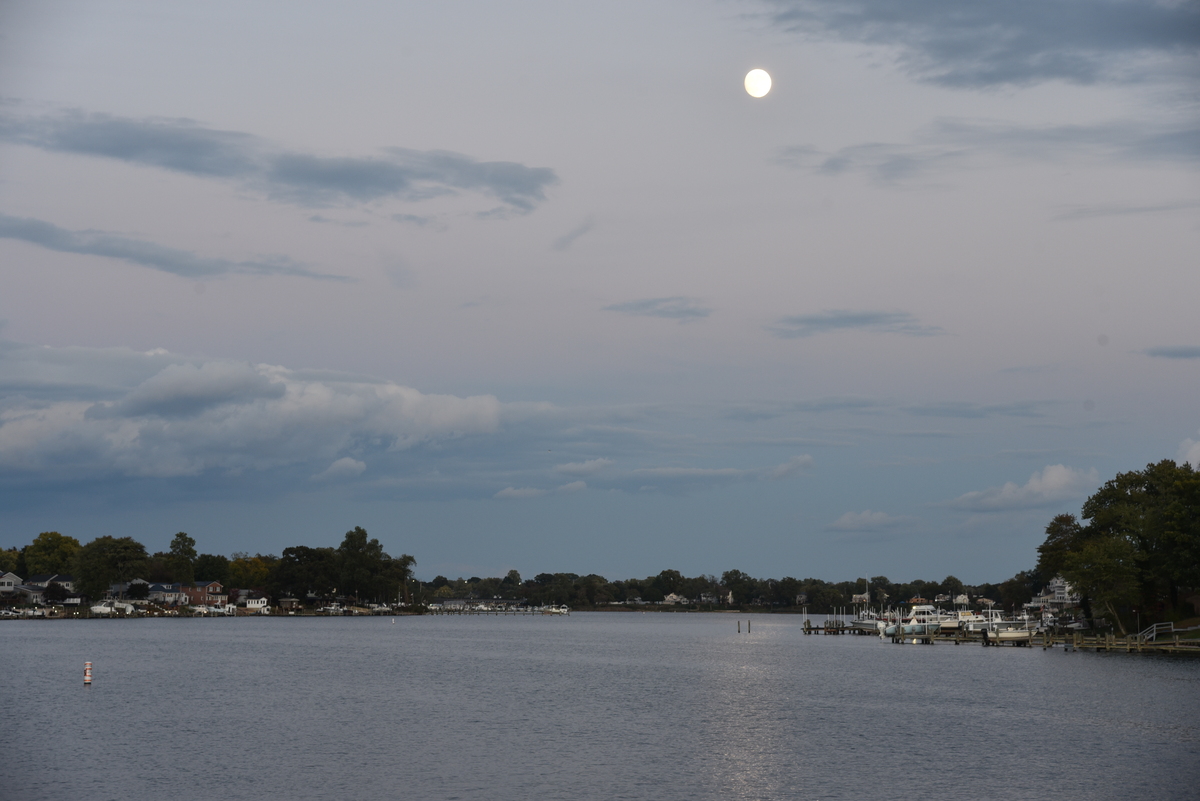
<point x="594" y="705"/>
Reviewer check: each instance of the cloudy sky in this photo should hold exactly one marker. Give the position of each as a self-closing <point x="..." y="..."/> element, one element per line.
<point x="539" y="286"/>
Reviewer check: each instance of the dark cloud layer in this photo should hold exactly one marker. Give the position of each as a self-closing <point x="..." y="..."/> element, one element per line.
<point x="676" y="308"/>
<point x="306" y="179"/>
<point x="1181" y="352"/>
<point x="950" y="144"/>
<point x="1015" y="42"/>
<point x="880" y="322"/>
<point x="145" y="254"/>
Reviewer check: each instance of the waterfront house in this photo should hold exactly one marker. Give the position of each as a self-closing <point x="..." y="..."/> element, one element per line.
<point x="674" y="598"/>
<point x="1055" y="597"/>
<point x="257" y="606"/>
<point x="205" y="593"/>
<point x="167" y="594"/>
<point x="46" y="579"/>
<point x="32" y="594"/>
<point x="9" y="583"/>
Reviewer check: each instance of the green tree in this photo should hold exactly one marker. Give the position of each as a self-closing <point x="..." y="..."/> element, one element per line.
<point x="1064" y="535"/>
<point x="300" y="570"/>
<point x="740" y="584"/>
<point x="1106" y="570"/>
<point x="360" y="562"/>
<point x="212" y="567"/>
<point x="12" y="560"/>
<point x="108" y="560"/>
<point x="183" y="558"/>
<point x="50" y="553"/>
<point x="252" y="572"/>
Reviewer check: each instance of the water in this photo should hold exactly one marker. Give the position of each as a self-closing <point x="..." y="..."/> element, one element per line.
<point x="601" y="705"/>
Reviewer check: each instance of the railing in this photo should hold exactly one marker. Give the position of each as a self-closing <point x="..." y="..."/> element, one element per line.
<point x="1167" y="629"/>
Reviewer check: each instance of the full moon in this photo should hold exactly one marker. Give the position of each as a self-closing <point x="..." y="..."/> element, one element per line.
<point x="758" y="83"/>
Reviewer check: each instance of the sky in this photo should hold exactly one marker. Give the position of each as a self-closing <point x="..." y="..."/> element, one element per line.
<point x="539" y="286"/>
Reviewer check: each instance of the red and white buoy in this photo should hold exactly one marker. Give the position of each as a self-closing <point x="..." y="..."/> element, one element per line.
<point x="87" y="674"/>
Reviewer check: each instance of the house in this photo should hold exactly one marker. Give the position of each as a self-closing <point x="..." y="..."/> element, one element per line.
<point x="205" y="593"/>
<point x="33" y="594"/>
<point x="65" y="580"/>
<point x="258" y="606"/>
<point x="673" y="598"/>
<point x="167" y="594"/>
<point x="9" y="583"/>
<point x="1056" y="596"/>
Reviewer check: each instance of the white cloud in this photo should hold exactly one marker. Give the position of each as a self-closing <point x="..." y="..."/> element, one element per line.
<point x="156" y="415"/>
<point x="1052" y="484"/>
<point x="345" y="467"/>
<point x="520" y="492"/>
<point x="574" y="486"/>
<point x="584" y="468"/>
<point x="1189" y="453"/>
<point x="864" y="521"/>
<point x="793" y="465"/>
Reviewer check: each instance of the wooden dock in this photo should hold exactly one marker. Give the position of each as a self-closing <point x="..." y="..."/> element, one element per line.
<point x="1078" y="641"/>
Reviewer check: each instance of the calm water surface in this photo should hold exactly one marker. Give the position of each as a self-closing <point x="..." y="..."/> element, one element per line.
<point x="601" y="705"/>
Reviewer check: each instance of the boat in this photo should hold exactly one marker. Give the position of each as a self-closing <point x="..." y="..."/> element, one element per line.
<point x="868" y="620"/>
<point x="922" y="621"/>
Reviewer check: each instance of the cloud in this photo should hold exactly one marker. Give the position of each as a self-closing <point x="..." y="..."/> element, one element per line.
<point x="676" y="308"/>
<point x="864" y="521"/>
<point x="1123" y="210"/>
<point x="185" y="390"/>
<point x="757" y="412"/>
<point x="790" y="467"/>
<point x="145" y="254"/>
<point x="566" y="240"/>
<point x="305" y="179"/>
<point x="1189" y="453"/>
<point x="114" y="413"/>
<point x="956" y="144"/>
<point x="343" y="468"/>
<point x="1177" y="352"/>
<point x="584" y="468"/>
<point x="1051" y="485"/>
<point x="880" y="322"/>
<point x="534" y="492"/>
<point x="520" y="492"/>
<point x="977" y="411"/>
<point x="1017" y="42"/>
<point x="677" y="479"/>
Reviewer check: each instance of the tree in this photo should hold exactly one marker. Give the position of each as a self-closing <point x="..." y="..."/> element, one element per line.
<point x="12" y="561"/>
<point x="247" y="571"/>
<point x="301" y="570"/>
<point x="1063" y="536"/>
<point x="360" y="561"/>
<point x="1106" y="570"/>
<point x="108" y="560"/>
<point x="50" y="553"/>
<point x="183" y="558"/>
<point x="740" y="584"/>
<point x="212" y="567"/>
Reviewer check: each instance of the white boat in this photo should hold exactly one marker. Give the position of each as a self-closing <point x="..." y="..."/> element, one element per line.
<point x="921" y="621"/>
<point x="869" y="620"/>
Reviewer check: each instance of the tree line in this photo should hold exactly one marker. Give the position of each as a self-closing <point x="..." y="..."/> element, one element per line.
<point x="1133" y="554"/>
<point x="357" y="569"/>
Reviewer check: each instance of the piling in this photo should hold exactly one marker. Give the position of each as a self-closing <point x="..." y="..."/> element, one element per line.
<point x="87" y="674"/>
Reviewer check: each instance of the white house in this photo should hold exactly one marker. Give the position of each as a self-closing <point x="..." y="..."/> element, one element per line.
<point x="257" y="606"/>
<point x="9" y="583"/>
